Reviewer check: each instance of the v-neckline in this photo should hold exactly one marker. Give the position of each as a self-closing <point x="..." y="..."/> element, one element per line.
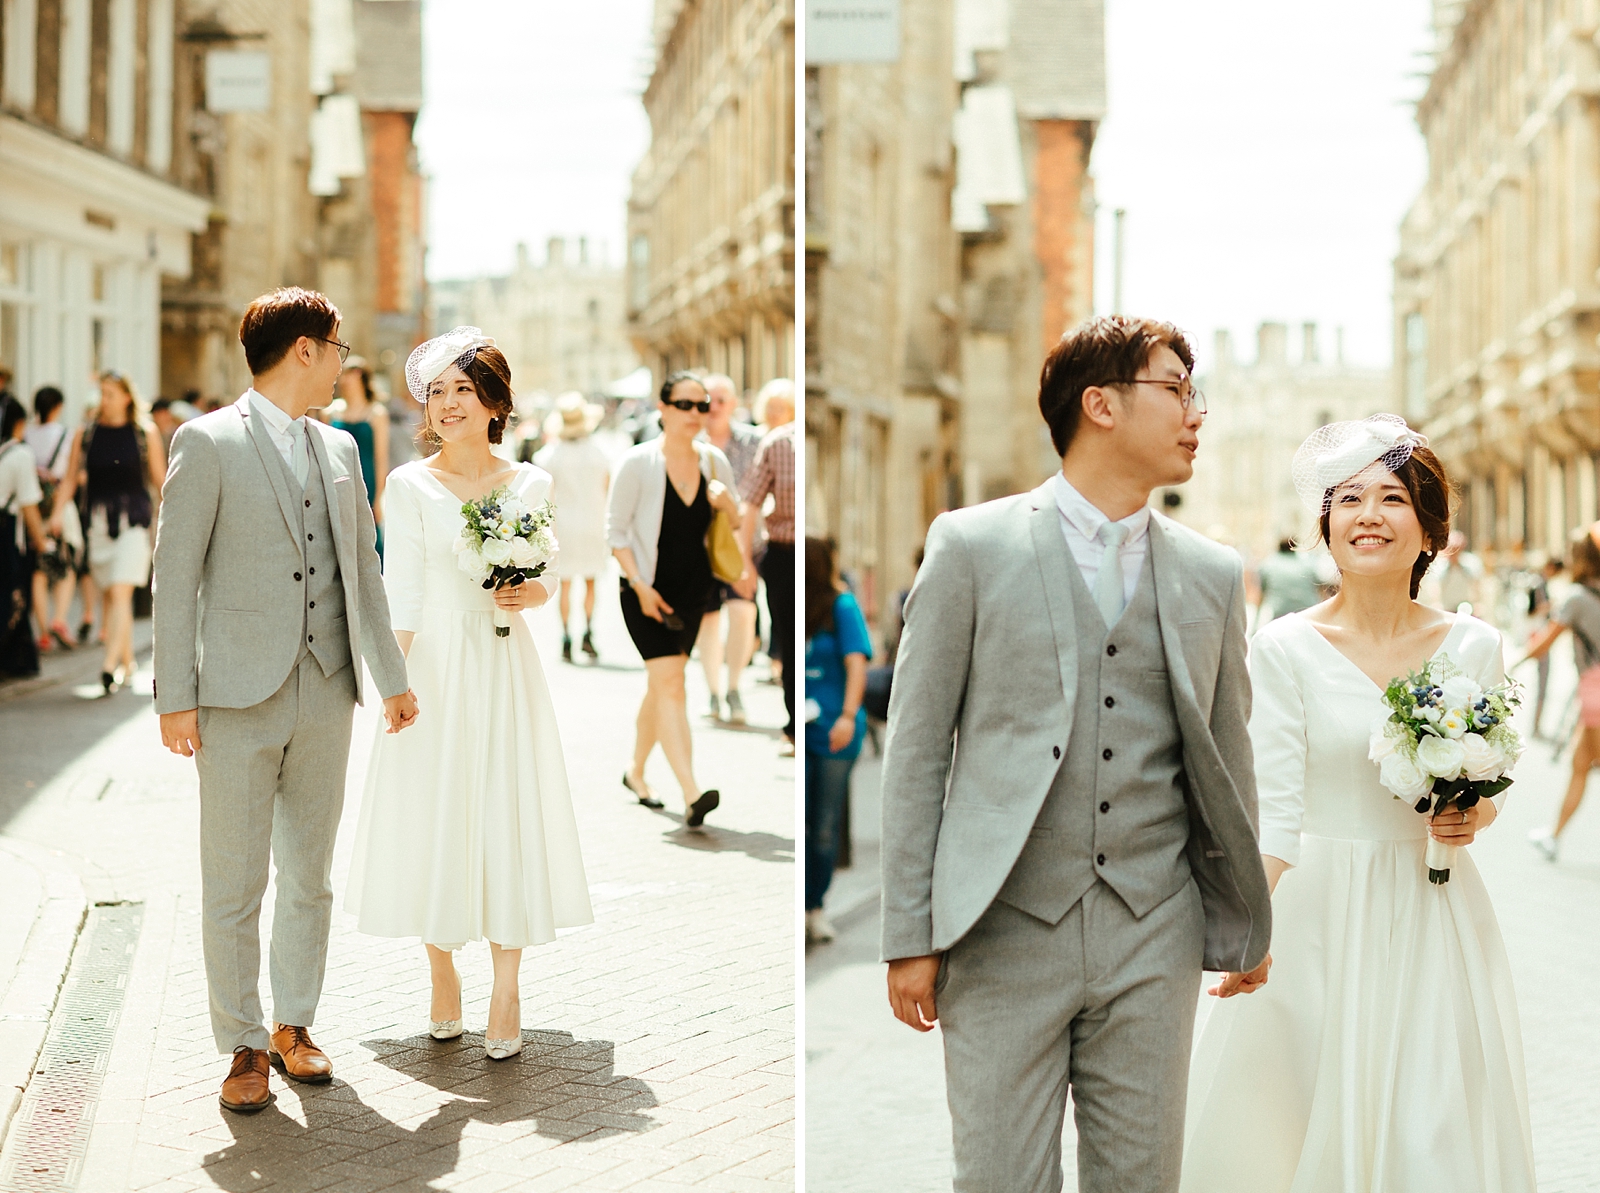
<point x="516" y="474"/>
<point x="1455" y="624"/>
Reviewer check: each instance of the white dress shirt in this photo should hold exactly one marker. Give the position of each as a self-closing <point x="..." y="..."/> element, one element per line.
<point x="1080" y="526"/>
<point x="284" y="431"/>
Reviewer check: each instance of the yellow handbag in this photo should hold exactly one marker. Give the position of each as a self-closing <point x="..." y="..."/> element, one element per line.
<point x="727" y="561"/>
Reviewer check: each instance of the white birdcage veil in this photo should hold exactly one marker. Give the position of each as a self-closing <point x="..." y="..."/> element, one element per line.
<point x="458" y="346"/>
<point x="1347" y="451"/>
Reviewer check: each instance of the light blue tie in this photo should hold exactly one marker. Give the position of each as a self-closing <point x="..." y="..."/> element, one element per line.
<point x="302" y="460"/>
<point x="1108" y="584"/>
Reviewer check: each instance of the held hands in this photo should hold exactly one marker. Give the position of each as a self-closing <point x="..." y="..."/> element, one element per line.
<point x="1455" y="827"/>
<point x="911" y="981"/>
<point x="180" y="731"/>
<point x="1243" y="983"/>
<point x="514" y="598"/>
<point x="400" y="711"/>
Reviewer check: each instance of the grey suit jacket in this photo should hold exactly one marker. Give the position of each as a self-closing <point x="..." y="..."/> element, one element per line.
<point x="228" y="609"/>
<point x="981" y="710"/>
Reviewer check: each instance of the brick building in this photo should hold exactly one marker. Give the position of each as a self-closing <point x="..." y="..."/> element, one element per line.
<point x="711" y="212"/>
<point x="1496" y="306"/>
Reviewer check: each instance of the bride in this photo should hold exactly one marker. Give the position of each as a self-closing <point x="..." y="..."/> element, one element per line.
<point x="466" y="826"/>
<point x="1385" y="1055"/>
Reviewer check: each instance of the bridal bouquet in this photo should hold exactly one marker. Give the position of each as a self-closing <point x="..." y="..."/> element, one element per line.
<point x="1445" y="743"/>
<point x="505" y="542"/>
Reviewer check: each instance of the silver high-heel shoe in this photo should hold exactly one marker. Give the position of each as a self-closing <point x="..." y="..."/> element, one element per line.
<point x="444" y="1029"/>
<point x="502" y="1049"/>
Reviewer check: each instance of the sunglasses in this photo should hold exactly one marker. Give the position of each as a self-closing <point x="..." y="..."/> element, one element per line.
<point x="704" y="407"/>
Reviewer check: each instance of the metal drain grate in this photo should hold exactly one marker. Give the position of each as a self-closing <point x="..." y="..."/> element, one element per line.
<point x="50" y="1135"/>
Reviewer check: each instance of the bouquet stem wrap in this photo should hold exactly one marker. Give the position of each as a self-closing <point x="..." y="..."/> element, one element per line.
<point x="502" y="622"/>
<point x="1441" y="859"/>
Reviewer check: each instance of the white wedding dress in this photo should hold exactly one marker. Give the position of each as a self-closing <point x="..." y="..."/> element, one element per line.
<point x="1384" y="1054"/>
<point x="466" y="828"/>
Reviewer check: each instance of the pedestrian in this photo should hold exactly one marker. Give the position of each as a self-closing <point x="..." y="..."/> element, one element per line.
<point x="1459" y="577"/>
<point x="1539" y="611"/>
<point x="56" y="575"/>
<point x="118" y="462"/>
<point x="739" y="442"/>
<point x="838" y="649"/>
<point x="1047" y="779"/>
<point x="496" y="857"/>
<point x="262" y="516"/>
<point x="21" y="535"/>
<point x="365" y="419"/>
<point x="664" y="496"/>
<point x="1580" y="613"/>
<point x="772" y="475"/>
<point x="164" y="414"/>
<point x="582" y="475"/>
<point x="1289" y="583"/>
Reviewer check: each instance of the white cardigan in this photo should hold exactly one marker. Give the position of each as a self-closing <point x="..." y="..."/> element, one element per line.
<point x="639" y="493"/>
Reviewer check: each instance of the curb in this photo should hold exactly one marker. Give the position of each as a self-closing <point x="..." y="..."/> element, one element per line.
<point x="35" y="984"/>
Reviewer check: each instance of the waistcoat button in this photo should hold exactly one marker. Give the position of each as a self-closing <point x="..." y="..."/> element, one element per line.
<point x="1110" y="703"/>
<point x="1106" y="754"/>
<point x="1056" y="750"/>
<point x="313" y="605"/>
<point x="1099" y="859"/>
<point x="309" y="537"/>
<point x="297" y="575"/>
<point x="313" y="571"/>
<point x="1112" y="649"/>
<point x="1105" y="807"/>
<point x="308" y="505"/>
<point x="311" y="638"/>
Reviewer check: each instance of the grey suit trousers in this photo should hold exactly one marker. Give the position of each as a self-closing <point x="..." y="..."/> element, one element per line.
<point x="1101" y="1002"/>
<point x="271" y="785"/>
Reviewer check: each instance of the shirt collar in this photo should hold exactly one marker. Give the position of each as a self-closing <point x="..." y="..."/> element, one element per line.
<point x="277" y="421"/>
<point x="1087" y="519"/>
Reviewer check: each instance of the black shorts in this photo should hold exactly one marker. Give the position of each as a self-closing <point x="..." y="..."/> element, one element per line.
<point x="721" y="594"/>
<point x="653" y="639"/>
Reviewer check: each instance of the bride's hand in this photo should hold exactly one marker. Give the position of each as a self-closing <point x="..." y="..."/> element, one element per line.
<point x="1243" y="983"/>
<point x="1455" y="827"/>
<point x="514" y="598"/>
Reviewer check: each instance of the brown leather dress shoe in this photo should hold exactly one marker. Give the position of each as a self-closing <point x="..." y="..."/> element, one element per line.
<point x="245" y="1091"/>
<point x="294" y="1053"/>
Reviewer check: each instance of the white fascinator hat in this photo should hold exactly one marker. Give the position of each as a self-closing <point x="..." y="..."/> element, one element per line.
<point x="1354" y="452"/>
<point x="458" y="346"/>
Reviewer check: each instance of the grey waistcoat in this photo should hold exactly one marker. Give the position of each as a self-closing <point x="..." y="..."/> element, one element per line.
<point x="1116" y="810"/>
<point x="325" y="636"/>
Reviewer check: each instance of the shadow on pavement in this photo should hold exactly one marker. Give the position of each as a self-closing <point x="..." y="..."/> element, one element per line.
<point x="567" y="1087"/>
<point x="764" y="847"/>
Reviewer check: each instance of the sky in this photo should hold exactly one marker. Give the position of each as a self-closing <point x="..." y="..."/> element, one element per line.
<point x="1265" y="153"/>
<point x="531" y="126"/>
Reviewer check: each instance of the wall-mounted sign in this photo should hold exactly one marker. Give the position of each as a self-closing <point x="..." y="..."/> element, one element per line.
<point x="238" y="80"/>
<point x="840" y="31"/>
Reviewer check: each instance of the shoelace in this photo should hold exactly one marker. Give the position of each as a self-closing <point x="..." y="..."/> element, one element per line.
<point x="244" y="1061"/>
<point x="300" y="1037"/>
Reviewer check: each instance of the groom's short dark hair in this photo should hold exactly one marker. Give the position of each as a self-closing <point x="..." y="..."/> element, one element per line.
<point x="1109" y="350"/>
<point x="273" y="322"/>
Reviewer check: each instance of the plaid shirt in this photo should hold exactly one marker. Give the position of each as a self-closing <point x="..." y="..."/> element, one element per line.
<point x="773" y="472"/>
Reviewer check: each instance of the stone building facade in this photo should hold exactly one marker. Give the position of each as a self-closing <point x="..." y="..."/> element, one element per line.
<point x="562" y="323"/>
<point x="1259" y="412"/>
<point x="949" y="237"/>
<point x="1497" y="308"/>
<point x="93" y="210"/>
<point x="312" y="181"/>
<point x="711" y="219"/>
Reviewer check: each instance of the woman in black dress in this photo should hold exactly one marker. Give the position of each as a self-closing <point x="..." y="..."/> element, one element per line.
<point x="663" y="498"/>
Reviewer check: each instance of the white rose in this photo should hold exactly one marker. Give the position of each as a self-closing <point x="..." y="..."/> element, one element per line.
<point x="1460" y="691"/>
<point x="472" y="563"/>
<point x="523" y="553"/>
<point x="1431" y="713"/>
<point x="1453" y="723"/>
<point x="512" y="509"/>
<point x="495" y="552"/>
<point x="1405" y="778"/>
<point x="462" y="543"/>
<point x="1440" y="756"/>
<point x="1480" y="759"/>
<point x="1382" y="742"/>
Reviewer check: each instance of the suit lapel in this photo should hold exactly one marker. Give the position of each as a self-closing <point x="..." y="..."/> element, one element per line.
<point x="273" y="463"/>
<point x="1168" y="572"/>
<point x="1055" y="562"/>
<point x="343" y="543"/>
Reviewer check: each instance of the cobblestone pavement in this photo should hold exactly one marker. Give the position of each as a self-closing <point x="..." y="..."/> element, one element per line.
<point x="876" y="1116"/>
<point x="659" y="1041"/>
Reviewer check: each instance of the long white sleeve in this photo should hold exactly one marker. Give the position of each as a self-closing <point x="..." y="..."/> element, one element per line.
<point x="402" y="553"/>
<point x="1278" y="737"/>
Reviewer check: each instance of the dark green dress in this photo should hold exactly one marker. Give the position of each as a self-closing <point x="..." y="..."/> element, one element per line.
<point x="361" y="432"/>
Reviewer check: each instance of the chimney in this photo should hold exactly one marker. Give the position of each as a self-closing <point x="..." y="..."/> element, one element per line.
<point x="522" y="255"/>
<point x="1272" y="344"/>
<point x="555" y="251"/>
<point x="1308" y="344"/>
<point x="583" y="250"/>
<point x="1221" y="350"/>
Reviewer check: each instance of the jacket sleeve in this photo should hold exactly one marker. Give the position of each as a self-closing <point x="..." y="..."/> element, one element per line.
<point x="1230" y="703"/>
<point x="1278" y="734"/>
<point x="183" y="536"/>
<point x="623" y="503"/>
<point x="930" y="682"/>
<point x="378" y="647"/>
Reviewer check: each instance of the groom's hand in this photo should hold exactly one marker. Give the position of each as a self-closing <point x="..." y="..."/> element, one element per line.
<point x="911" y="982"/>
<point x="180" y="731"/>
<point x="400" y="711"/>
<point x="1243" y="983"/>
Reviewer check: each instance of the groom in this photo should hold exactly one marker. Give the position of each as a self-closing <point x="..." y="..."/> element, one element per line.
<point x="1069" y="806"/>
<point x="267" y="595"/>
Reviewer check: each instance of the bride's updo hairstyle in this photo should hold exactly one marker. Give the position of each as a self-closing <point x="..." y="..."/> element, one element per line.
<point x="1425" y="479"/>
<point x="491" y="377"/>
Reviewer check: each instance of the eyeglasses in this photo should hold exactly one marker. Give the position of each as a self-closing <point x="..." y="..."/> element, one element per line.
<point x="344" y="349"/>
<point x="1185" y="391"/>
<point x="704" y="407"/>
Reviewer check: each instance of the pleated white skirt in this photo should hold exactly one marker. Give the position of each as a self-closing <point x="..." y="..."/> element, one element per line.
<point x="466" y="829"/>
<point x="1384" y="1054"/>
